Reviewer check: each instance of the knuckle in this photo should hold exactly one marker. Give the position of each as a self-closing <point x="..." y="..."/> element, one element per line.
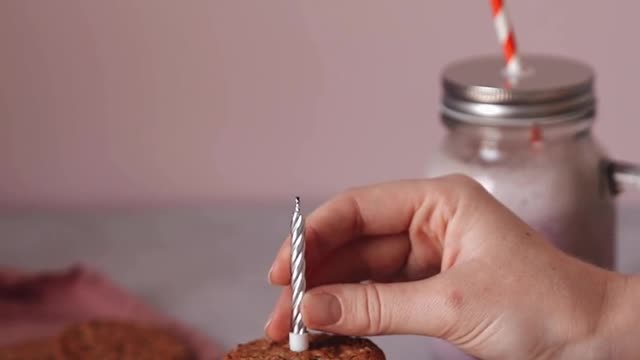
<point x="467" y="183"/>
<point x="462" y="187"/>
<point x="373" y="312"/>
<point x="348" y="194"/>
<point x="350" y="199"/>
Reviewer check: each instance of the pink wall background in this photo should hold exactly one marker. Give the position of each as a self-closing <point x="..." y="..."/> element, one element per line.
<point x="119" y="102"/>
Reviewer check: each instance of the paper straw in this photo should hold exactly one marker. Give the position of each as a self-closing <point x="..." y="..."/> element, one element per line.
<point x="506" y="37"/>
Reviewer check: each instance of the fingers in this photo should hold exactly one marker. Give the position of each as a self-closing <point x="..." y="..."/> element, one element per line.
<point x="384" y="209"/>
<point x="379" y="259"/>
<point x="425" y="308"/>
<point x="417" y="308"/>
<point x="342" y="266"/>
<point x="280" y="272"/>
<point x="433" y="307"/>
<point x="423" y="208"/>
<point x="279" y="322"/>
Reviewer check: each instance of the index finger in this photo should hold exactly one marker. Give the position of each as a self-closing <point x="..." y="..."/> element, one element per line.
<point x="383" y="209"/>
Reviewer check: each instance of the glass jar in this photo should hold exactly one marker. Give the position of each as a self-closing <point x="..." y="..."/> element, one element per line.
<point x="528" y="141"/>
<point x="559" y="186"/>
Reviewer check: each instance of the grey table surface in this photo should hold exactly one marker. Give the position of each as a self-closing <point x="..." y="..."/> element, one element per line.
<point x="206" y="266"/>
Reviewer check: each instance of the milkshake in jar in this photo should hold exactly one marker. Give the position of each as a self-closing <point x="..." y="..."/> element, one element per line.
<point x="528" y="141"/>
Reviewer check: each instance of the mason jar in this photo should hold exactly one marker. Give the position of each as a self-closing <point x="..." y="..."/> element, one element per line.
<point x="529" y="142"/>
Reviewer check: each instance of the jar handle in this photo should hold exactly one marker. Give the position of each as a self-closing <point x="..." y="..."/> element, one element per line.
<point x="623" y="176"/>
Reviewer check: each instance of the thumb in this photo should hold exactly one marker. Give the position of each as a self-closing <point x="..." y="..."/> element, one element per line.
<point x="427" y="307"/>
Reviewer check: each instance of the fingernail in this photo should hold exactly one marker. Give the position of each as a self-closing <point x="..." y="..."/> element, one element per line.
<point x="322" y="309"/>
<point x="269" y="276"/>
<point x="266" y="326"/>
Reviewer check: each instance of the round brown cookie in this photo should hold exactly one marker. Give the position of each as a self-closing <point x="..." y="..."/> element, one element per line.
<point x="122" y="341"/>
<point x="47" y="349"/>
<point x="321" y="347"/>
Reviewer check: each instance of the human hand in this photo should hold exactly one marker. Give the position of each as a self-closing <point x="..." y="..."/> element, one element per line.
<point x="443" y="258"/>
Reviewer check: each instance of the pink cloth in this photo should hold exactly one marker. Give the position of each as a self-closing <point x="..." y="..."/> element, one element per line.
<point x="34" y="305"/>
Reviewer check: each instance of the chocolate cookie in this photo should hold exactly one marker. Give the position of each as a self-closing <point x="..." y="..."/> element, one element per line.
<point x="118" y="340"/>
<point x="321" y="347"/>
<point x="47" y="349"/>
<point x="102" y="340"/>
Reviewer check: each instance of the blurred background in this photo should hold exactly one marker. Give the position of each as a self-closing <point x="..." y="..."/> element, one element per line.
<point x="147" y="102"/>
<point x="142" y="137"/>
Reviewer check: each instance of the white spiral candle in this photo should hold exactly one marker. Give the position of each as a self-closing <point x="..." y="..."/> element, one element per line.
<point x="298" y="340"/>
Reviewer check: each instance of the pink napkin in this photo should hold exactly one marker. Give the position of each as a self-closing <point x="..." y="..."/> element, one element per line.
<point x="35" y="305"/>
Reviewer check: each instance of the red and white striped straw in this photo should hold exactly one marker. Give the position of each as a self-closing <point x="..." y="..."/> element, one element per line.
<point x="506" y="37"/>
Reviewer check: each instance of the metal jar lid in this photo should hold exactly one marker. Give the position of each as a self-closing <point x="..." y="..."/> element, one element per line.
<point x="551" y="89"/>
